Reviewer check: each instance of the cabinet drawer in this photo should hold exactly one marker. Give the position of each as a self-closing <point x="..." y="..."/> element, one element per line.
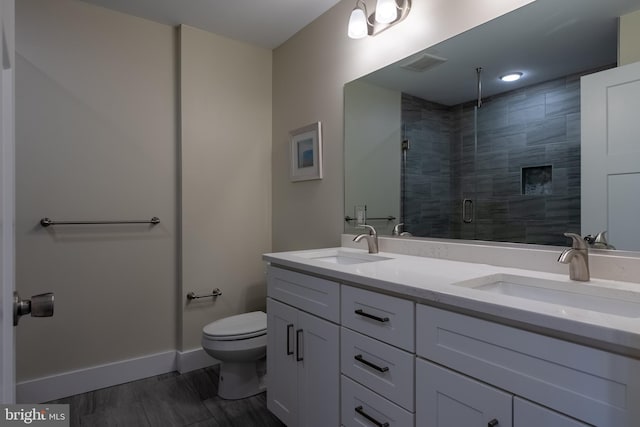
<point x="362" y="407"/>
<point x="592" y="385"/>
<point x="383" y="317"/>
<point x="308" y="293"/>
<point x="384" y="369"/>
<point x="445" y="398"/>
<point x="527" y="414"/>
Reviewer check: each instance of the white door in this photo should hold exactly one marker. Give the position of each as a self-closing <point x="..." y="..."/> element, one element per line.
<point x="610" y="175"/>
<point x="445" y="398"/>
<point x="318" y="372"/>
<point x="7" y="204"/>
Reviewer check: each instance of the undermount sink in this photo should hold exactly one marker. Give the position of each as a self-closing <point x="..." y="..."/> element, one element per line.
<point x="583" y="296"/>
<point x="343" y="258"/>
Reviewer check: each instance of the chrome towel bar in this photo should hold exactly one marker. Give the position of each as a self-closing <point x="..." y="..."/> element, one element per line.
<point x="215" y="293"/>
<point x="386" y="218"/>
<point x="45" y="222"/>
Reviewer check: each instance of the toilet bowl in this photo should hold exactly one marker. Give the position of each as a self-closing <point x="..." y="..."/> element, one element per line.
<point x="240" y="344"/>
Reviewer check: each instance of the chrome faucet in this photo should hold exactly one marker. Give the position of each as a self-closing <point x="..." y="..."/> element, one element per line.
<point x="396" y="230"/>
<point x="577" y="256"/>
<point x="372" y="238"/>
<point x="600" y="241"/>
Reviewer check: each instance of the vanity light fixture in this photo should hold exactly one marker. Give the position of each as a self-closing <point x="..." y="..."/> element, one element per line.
<point x="387" y="14"/>
<point x="511" y="77"/>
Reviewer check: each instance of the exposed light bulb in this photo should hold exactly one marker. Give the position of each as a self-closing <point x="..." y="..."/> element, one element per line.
<point x="386" y="11"/>
<point x="357" y="24"/>
<point x="511" y="77"/>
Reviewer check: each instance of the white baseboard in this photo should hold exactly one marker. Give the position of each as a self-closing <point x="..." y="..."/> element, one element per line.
<point x="191" y="360"/>
<point x="96" y="377"/>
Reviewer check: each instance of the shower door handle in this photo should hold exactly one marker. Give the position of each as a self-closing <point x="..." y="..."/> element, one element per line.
<point x="467" y="211"/>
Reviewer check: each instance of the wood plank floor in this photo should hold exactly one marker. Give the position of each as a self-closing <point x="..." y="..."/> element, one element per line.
<point x="168" y="400"/>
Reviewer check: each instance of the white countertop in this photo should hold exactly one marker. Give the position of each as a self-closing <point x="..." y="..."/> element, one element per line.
<point x="431" y="280"/>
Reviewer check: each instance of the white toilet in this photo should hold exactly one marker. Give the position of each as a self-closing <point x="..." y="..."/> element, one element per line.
<point x="240" y="344"/>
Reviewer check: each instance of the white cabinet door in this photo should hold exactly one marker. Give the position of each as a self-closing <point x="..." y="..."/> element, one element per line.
<point x="610" y="154"/>
<point x="318" y="371"/>
<point x="303" y="368"/>
<point x="447" y="399"/>
<point x="282" y="370"/>
<point x="528" y="414"/>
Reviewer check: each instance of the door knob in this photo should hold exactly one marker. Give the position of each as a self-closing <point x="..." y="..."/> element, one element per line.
<point x="38" y="306"/>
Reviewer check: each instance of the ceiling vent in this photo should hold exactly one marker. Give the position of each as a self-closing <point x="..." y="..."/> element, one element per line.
<point x="423" y="62"/>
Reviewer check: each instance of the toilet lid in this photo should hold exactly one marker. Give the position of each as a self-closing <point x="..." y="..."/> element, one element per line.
<point x="245" y="325"/>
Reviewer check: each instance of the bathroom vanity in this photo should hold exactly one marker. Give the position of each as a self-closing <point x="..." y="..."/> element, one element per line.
<point x="358" y="339"/>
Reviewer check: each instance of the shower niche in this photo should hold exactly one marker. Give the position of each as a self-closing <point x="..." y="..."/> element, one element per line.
<point x="537" y="180"/>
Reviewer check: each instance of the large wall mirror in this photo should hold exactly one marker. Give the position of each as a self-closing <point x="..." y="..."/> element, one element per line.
<point x="440" y="143"/>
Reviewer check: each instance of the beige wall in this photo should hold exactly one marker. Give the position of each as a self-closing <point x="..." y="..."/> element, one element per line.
<point x="226" y="177"/>
<point x="96" y="139"/>
<point x="309" y="72"/>
<point x="373" y="156"/>
<point x="629" y="48"/>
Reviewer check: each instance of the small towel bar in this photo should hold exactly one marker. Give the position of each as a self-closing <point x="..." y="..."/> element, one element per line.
<point x="215" y="293"/>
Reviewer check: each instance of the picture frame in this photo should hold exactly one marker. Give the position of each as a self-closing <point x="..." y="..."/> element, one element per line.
<point x="305" y="152"/>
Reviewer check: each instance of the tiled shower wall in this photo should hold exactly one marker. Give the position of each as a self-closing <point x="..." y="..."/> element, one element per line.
<point x="426" y="181"/>
<point x="534" y="126"/>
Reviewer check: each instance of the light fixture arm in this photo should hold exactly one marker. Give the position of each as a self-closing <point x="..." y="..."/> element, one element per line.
<point x="363" y="6"/>
<point x="374" y="27"/>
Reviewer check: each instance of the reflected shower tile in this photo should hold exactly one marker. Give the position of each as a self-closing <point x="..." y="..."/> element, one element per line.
<point x="573" y="127"/>
<point x="547" y="131"/>
<point x="524" y="207"/>
<point x="492" y="161"/>
<point x="507" y="184"/>
<point x="526" y="101"/>
<point x="562" y="102"/>
<point x="524" y="116"/>
<point x="522" y="157"/>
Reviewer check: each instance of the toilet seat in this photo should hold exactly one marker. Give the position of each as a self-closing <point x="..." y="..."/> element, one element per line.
<point x="239" y="327"/>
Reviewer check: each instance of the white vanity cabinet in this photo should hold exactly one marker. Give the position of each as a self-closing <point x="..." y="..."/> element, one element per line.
<point x="377" y="359"/>
<point x="447" y="398"/>
<point x="339" y="354"/>
<point x="476" y="368"/>
<point x="303" y="348"/>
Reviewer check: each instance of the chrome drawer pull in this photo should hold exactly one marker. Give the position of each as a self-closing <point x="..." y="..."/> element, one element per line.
<point x="492" y="423"/>
<point x="359" y="312"/>
<point x="370" y="418"/>
<point x="362" y="360"/>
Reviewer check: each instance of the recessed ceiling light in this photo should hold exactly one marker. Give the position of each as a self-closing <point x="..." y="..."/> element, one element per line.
<point x="511" y="77"/>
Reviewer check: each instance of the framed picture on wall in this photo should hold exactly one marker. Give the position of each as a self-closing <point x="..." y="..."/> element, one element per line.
<point x="306" y="153"/>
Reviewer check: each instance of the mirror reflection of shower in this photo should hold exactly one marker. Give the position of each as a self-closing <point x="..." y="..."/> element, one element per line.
<point x="503" y="168"/>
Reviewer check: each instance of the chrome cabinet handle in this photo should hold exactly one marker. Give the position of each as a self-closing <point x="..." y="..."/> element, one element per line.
<point x="289" y="329"/>
<point x="359" y="312"/>
<point x="493" y="423"/>
<point x="362" y="360"/>
<point x="360" y="411"/>
<point x="299" y="357"/>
